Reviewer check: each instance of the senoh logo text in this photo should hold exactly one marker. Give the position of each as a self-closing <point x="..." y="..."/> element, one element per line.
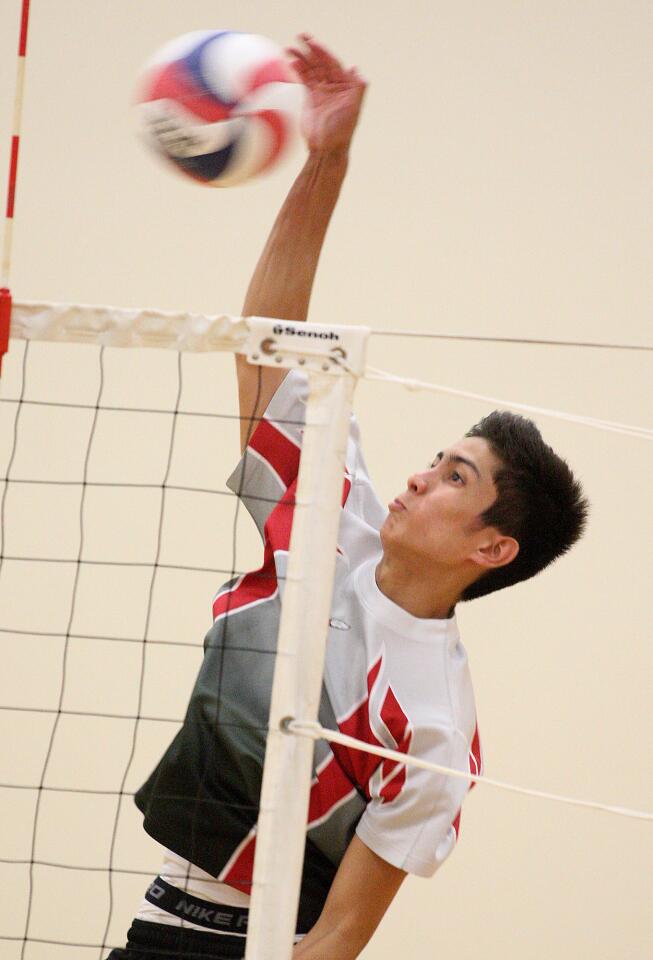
<point x="302" y="332"/>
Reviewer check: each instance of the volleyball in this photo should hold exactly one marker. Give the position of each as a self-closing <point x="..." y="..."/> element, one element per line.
<point x="221" y="106"/>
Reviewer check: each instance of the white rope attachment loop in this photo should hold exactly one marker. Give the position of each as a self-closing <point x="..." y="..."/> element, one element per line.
<point x="315" y="731"/>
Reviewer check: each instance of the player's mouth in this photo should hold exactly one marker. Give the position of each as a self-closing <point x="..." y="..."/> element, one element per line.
<point x="396" y="505"/>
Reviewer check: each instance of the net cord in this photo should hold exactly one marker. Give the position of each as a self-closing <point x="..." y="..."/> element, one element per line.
<point x="314" y="731"/>
<point x="530" y="341"/>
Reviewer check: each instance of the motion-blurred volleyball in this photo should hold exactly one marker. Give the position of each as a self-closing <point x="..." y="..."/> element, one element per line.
<point x="222" y="106"/>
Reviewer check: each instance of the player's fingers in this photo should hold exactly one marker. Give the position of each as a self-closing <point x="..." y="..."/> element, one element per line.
<point x="315" y="65"/>
<point x="353" y="74"/>
<point x="313" y="77"/>
<point x="308" y="63"/>
<point x="306" y="74"/>
<point x="298" y="65"/>
<point x="319" y="50"/>
<point x="296" y="71"/>
<point x="298" y="53"/>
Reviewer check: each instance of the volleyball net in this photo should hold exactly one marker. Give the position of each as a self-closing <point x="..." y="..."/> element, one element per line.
<point x="115" y="531"/>
<point x="96" y="569"/>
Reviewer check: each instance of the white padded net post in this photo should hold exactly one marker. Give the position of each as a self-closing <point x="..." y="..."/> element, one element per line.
<point x="298" y="669"/>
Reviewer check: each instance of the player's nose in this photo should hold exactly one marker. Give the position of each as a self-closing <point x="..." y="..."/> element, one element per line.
<point x="416" y="483"/>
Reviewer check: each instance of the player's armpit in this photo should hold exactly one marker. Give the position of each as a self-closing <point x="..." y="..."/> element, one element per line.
<point x="362" y="891"/>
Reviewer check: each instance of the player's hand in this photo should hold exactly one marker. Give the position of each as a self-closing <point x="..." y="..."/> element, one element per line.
<point x="334" y="96"/>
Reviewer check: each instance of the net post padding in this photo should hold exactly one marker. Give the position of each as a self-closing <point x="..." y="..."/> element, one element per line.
<point x="281" y="831"/>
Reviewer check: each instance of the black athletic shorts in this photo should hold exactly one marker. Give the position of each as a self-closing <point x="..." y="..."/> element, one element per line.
<point x="161" y="941"/>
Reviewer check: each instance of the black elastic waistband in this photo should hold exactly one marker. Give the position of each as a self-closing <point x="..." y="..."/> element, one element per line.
<point x="203" y="913"/>
<point x="165" y="942"/>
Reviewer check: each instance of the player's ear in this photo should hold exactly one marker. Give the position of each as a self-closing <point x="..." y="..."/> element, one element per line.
<point x="496" y="552"/>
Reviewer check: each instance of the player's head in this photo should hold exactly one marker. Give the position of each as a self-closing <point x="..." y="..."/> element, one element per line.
<point x="493" y="509"/>
<point x="539" y="502"/>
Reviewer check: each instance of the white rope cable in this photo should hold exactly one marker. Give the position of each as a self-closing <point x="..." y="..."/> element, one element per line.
<point x="316" y="731"/>
<point x="645" y="433"/>
<point x="525" y="341"/>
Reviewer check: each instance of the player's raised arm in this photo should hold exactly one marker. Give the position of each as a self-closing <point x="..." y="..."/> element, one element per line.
<point x="283" y="279"/>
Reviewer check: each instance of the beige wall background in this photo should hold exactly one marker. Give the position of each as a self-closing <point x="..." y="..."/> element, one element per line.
<point x="499" y="186"/>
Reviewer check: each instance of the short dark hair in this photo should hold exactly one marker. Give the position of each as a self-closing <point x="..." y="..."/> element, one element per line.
<point x="539" y="502"/>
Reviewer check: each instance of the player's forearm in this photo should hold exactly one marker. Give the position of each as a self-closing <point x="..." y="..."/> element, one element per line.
<point x="336" y="943"/>
<point x="283" y="280"/>
<point x="361" y="892"/>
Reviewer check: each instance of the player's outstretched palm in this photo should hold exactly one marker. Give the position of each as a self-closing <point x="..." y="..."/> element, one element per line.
<point x="334" y="96"/>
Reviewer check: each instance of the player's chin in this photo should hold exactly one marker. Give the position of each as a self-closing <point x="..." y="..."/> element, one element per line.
<point x="387" y="523"/>
<point x="389" y="532"/>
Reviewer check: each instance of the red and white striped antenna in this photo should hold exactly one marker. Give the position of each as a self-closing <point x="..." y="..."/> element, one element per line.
<point x="5" y="292"/>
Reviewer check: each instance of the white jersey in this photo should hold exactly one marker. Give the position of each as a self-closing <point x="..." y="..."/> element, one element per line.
<point x="391" y="679"/>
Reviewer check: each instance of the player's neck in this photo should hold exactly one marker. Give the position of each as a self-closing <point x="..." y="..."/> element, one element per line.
<point x="433" y="597"/>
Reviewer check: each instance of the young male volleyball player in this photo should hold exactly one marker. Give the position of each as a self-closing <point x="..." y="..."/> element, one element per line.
<point x="494" y="508"/>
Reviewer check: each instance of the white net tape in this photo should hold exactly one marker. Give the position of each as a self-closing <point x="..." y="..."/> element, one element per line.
<point x="120" y="327"/>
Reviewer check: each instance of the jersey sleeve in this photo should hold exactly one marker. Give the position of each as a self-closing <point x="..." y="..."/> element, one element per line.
<point x="413" y="824"/>
<point x="270" y="463"/>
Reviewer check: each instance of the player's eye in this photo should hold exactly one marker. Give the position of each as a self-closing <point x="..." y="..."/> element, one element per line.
<point x="456" y="477"/>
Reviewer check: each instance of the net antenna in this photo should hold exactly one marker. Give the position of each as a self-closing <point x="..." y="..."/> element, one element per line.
<point x="7" y="235"/>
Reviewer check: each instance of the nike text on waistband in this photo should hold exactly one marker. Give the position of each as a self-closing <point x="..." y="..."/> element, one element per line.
<point x="204" y="913"/>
